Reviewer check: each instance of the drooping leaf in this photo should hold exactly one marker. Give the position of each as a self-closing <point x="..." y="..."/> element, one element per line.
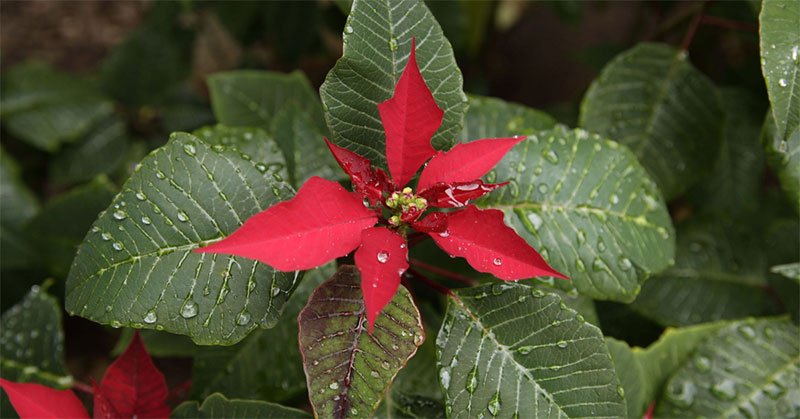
<point x="780" y="64"/>
<point x="302" y="142"/>
<point x="733" y="187"/>
<point x="589" y="208"/>
<point x="719" y="273"/>
<point x="45" y="108"/>
<point x="64" y="221"/>
<point x="489" y="117"/>
<point x="101" y="151"/>
<point x="217" y="406"/>
<point x="322" y="222"/>
<point x="783" y="155"/>
<point x="37" y="401"/>
<point x="136" y="266"/>
<point x="377" y="44"/>
<point x="643" y="372"/>
<point x="266" y="365"/>
<point x="466" y="162"/>
<point x="348" y="369"/>
<point x="789" y="270"/>
<point x="750" y="368"/>
<point x="514" y="351"/>
<point x="132" y="386"/>
<point x="483" y="239"/>
<point x="651" y="99"/>
<point x="254" y="144"/>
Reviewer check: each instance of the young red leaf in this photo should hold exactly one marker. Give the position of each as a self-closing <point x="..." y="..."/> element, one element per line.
<point x="410" y="118"/>
<point x="322" y="222"/>
<point x="490" y="246"/>
<point x="132" y="386"/>
<point x="454" y="195"/>
<point x="465" y="162"/>
<point x="371" y="183"/>
<point x="381" y="259"/>
<point x="32" y="400"/>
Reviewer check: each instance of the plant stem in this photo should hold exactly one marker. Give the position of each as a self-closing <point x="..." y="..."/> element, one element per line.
<point x="443" y="272"/>
<point x="438" y="287"/>
<point x="687" y="39"/>
<point x="86" y="388"/>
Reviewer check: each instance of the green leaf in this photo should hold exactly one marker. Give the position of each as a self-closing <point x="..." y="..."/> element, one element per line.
<point x="304" y="145"/>
<point x="589" y="208"/>
<point x="101" y="151"/>
<point x="348" y="369"/>
<point x="789" y="270"/>
<point x="489" y="117"/>
<point x="217" y="406"/>
<point x="719" y="273"/>
<point x="253" y="98"/>
<point x="63" y="222"/>
<point x="33" y="341"/>
<point x="780" y="62"/>
<point x="783" y="155"/>
<point x="651" y="99"/>
<point x="158" y="344"/>
<point x="17" y="206"/>
<point x="254" y="144"/>
<point x="136" y="268"/>
<point x="750" y="369"/>
<point x="377" y="44"/>
<point x="514" y="351"/>
<point x="643" y="372"/>
<point x="733" y="188"/>
<point x="45" y="108"/>
<point x="265" y="366"/>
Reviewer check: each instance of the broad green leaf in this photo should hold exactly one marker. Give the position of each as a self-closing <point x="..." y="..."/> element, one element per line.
<point x="651" y="99"/>
<point x="589" y="208"/>
<point x="45" y="108"/>
<point x="783" y="155"/>
<point x="582" y="304"/>
<point x="400" y="405"/>
<point x="217" y="406"/>
<point x="489" y="117"/>
<point x="789" y="270"/>
<point x="750" y="368"/>
<point x="250" y="98"/>
<point x="254" y="144"/>
<point x="304" y="146"/>
<point x="32" y="348"/>
<point x="64" y="221"/>
<point x="719" y="273"/>
<point x="17" y="202"/>
<point x="136" y="267"/>
<point x="348" y="369"/>
<point x="734" y="185"/>
<point x="377" y="44"/>
<point x="643" y="372"/>
<point x="266" y="365"/>
<point x="464" y="22"/>
<point x="101" y="151"/>
<point x="514" y="351"/>
<point x="158" y="344"/>
<point x="780" y="62"/>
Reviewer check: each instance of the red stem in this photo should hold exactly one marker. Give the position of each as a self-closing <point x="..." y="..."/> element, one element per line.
<point x="687" y="39"/>
<point x="86" y="388"/>
<point x="443" y="272"/>
<point x="728" y="23"/>
<point x="438" y="287"/>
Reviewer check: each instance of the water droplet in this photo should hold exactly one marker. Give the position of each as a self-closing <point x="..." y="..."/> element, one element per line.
<point x="219" y="148"/>
<point x="243" y="318"/>
<point x="189" y="149"/>
<point x="702" y="364"/>
<point x="783" y="82"/>
<point x="497" y="261"/>
<point x="374" y="374"/>
<point x="105" y="236"/>
<point x="494" y="404"/>
<point x="601" y="245"/>
<point x="620" y="391"/>
<point x="550" y="156"/>
<point x="472" y="380"/>
<point x="189" y="309"/>
<point x="795" y="53"/>
<point x="524" y="350"/>
<point x="598" y="265"/>
<point x="535" y="220"/>
<point x="783" y="146"/>
<point x="182" y="217"/>
<point x="383" y="256"/>
<point x="543" y="188"/>
<point x="769" y="333"/>
<point x="537" y="293"/>
<point x="261" y="167"/>
<point x="580" y="266"/>
<point x="614" y="199"/>
<point x="146" y="220"/>
<point x="160" y="175"/>
<point x="562" y="344"/>
<point x="444" y="234"/>
<point x="747" y="332"/>
<point x="334" y="386"/>
<point x="348" y="29"/>
<point x="581" y="237"/>
<point x="150" y="317"/>
<point x="117" y="246"/>
<point x="115" y="324"/>
<point x="120" y="215"/>
<point x="725" y="389"/>
<point x="385" y="365"/>
<point x="625" y="264"/>
<point x="393" y="44"/>
<point x="418" y="339"/>
<point x="140" y="196"/>
<point x="682" y="393"/>
<point x="773" y="390"/>
<point x="444" y="377"/>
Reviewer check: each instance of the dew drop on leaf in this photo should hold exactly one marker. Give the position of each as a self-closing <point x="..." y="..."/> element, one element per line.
<point x="497" y="261"/>
<point x="773" y="390"/>
<point x="747" y="332"/>
<point x="243" y="318"/>
<point x="146" y="220"/>
<point x="702" y="364"/>
<point x="120" y="215"/>
<point x="444" y="234"/>
<point x="682" y="393"/>
<point x="189" y="149"/>
<point x="562" y="344"/>
<point x="189" y="309"/>
<point x="725" y="389"/>
<point x="625" y="264"/>
<point x="537" y="293"/>
<point x="620" y="391"/>
<point x="117" y="246"/>
<point x="535" y="220"/>
<point x="105" y="236"/>
<point x="383" y="256"/>
<point x="150" y="317"/>
<point x="444" y="377"/>
<point x="494" y="404"/>
<point x="348" y="29"/>
<point x="374" y="374"/>
<point x="334" y="386"/>
<point x="524" y="350"/>
<point x="385" y="365"/>
<point x="472" y="380"/>
<point x="182" y="217"/>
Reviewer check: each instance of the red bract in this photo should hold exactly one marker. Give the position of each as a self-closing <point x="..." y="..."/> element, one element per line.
<point x="37" y="401"/>
<point x="324" y="221"/>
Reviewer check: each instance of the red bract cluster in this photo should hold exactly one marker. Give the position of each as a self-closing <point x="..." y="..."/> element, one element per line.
<point x="324" y="221"/>
<point x="132" y="387"/>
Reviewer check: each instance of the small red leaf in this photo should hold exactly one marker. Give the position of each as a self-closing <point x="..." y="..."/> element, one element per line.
<point x="455" y="195"/>
<point x="132" y="386"/>
<point x="322" y="222"/>
<point x="490" y="246"/>
<point x="369" y="182"/>
<point x="32" y="400"/>
<point x="465" y="162"/>
<point x="410" y="118"/>
<point x="381" y="259"/>
<point x="435" y="222"/>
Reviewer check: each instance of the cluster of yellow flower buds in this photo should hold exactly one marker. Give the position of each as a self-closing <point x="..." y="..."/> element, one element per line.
<point x="410" y="206"/>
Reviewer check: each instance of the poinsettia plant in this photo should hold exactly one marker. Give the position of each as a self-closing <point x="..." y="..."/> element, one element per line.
<point x="388" y="245"/>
